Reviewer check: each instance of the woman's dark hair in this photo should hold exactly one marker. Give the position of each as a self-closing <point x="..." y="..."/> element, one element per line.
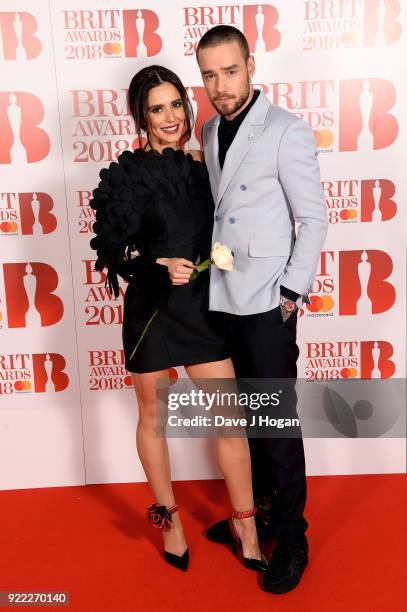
<point x="224" y="34"/>
<point x="137" y="96"/>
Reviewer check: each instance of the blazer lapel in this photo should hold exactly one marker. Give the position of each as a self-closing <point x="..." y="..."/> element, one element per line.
<point x="212" y="158"/>
<point x="247" y="134"/>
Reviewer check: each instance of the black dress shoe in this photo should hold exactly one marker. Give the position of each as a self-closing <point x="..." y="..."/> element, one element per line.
<point x="285" y="567"/>
<point x="221" y="534"/>
<point x="181" y="562"/>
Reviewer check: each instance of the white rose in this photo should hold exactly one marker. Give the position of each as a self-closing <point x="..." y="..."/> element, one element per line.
<point x="222" y="257"/>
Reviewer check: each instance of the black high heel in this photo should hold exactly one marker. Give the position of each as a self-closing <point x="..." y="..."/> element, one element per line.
<point x="176" y="560"/>
<point x="259" y="565"/>
<point x="161" y="518"/>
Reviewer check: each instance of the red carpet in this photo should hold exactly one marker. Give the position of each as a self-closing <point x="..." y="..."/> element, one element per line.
<point x="93" y="542"/>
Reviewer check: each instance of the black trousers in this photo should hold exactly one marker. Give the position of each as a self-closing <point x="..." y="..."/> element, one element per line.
<point x="264" y="346"/>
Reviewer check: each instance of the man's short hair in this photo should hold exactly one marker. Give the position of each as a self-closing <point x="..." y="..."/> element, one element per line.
<point x="224" y="34"/>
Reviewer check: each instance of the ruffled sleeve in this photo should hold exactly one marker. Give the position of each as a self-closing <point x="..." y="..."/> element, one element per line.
<point x="120" y="201"/>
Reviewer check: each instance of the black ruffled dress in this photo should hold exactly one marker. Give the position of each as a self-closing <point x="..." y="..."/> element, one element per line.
<point x="161" y="206"/>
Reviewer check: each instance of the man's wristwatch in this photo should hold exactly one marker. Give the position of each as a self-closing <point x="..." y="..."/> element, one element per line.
<point x="287" y="307"/>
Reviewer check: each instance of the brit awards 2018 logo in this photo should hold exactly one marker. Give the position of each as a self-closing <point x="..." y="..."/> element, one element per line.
<point x="351" y="283"/>
<point x="18" y="36"/>
<point x="110" y="33"/>
<point x="22" y="139"/>
<point x="257" y="21"/>
<point x="30" y="299"/>
<point x="107" y="371"/>
<point x="26" y="214"/>
<point x="101" y="307"/>
<point x="102" y="126"/>
<point x="348" y="359"/>
<point x="312" y="101"/>
<point x="345" y="115"/>
<point x="86" y="214"/>
<point x="365" y="122"/>
<point x="339" y="24"/>
<point x="354" y="200"/>
<point x="32" y="373"/>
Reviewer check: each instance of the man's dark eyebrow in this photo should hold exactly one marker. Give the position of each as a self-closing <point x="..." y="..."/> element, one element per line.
<point x="158" y="105"/>
<point x="225" y="69"/>
<point x="230" y="67"/>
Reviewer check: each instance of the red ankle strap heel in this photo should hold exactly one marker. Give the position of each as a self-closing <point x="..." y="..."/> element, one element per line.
<point x="259" y="565"/>
<point x="244" y="514"/>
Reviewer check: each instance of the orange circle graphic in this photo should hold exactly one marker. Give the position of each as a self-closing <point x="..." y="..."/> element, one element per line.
<point x="327" y="303"/>
<point x="350" y="38"/>
<point x="172" y="376"/>
<point x="316" y="303"/>
<point x="325" y="138"/>
<point x="128" y="381"/>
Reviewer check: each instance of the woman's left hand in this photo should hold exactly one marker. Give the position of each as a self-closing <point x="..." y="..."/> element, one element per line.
<point x="179" y="269"/>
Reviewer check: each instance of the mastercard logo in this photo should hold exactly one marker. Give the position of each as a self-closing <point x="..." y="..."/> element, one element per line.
<point x="112" y="48"/>
<point x="348" y="215"/>
<point x="172" y="376"/>
<point x="136" y="144"/>
<point x="348" y="372"/>
<point x="8" y="227"/>
<point x="320" y="303"/>
<point x="350" y="38"/>
<point x="128" y="381"/>
<point x="22" y="385"/>
<point x="323" y="138"/>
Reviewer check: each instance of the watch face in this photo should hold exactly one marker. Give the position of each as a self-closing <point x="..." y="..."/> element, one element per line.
<point x="288" y="305"/>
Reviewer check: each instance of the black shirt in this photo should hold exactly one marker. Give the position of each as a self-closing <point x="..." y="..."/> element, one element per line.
<point x="227" y="130"/>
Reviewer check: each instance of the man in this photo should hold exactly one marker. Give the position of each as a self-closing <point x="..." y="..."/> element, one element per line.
<point x="264" y="177"/>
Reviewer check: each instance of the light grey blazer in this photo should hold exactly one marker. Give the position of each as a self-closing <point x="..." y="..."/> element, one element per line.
<point x="270" y="180"/>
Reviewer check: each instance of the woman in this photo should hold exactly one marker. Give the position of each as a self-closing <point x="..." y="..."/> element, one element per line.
<point x="157" y="201"/>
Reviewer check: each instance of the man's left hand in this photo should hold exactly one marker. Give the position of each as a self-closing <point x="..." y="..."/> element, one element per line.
<point x="287" y="307"/>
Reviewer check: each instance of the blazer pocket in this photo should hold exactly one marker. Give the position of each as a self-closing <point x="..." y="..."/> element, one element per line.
<point x="269" y="246"/>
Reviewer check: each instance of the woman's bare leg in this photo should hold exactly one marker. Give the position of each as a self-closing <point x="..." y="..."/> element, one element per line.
<point x="153" y="453"/>
<point x="234" y="462"/>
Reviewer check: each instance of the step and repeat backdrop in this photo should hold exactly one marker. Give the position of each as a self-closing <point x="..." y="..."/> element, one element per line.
<point x="68" y="411"/>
